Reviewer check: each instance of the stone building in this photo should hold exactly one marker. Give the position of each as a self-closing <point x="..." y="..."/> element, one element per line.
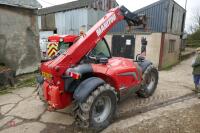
<point x="165" y="28"/>
<point x="19" y="36"/>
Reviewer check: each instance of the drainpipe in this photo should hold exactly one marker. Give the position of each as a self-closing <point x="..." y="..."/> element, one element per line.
<point x="161" y="51"/>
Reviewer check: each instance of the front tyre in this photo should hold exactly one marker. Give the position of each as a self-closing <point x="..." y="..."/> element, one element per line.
<point x="98" y="110"/>
<point x="149" y="82"/>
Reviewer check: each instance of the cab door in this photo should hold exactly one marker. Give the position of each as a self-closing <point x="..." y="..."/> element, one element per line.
<point x="101" y="50"/>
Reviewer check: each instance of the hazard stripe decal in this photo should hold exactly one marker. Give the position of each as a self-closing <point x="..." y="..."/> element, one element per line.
<point x="52" y="49"/>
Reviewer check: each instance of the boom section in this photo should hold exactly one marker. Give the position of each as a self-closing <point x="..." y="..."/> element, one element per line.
<point x="86" y="43"/>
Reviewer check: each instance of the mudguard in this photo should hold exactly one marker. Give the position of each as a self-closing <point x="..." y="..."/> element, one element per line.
<point x="86" y="87"/>
<point x="82" y="70"/>
<point x="144" y="64"/>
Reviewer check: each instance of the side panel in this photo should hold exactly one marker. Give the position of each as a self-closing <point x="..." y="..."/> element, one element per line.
<point x="120" y="73"/>
<point x="126" y="72"/>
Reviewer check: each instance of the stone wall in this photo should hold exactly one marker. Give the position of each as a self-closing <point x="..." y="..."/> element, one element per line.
<point x="153" y="54"/>
<point x="153" y="46"/>
<point x="19" y="39"/>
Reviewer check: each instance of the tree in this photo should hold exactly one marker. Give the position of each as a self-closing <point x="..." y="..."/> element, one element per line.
<point x="195" y="26"/>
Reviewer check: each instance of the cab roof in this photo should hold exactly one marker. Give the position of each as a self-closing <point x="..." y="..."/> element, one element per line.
<point x="62" y="38"/>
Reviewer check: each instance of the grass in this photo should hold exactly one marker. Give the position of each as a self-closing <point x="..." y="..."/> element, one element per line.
<point x="169" y="67"/>
<point x="27" y="80"/>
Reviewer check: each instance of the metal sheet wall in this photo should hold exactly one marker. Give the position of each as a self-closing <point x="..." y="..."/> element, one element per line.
<point x="94" y="16"/>
<point x="160" y="18"/>
<point x="176" y="18"/>
<point x="70" y="22"/>
<point x="157" y="14"/>
<point x="48" y="21"/>
<point x="119" y="28"/>
<point x="39" y="22"/>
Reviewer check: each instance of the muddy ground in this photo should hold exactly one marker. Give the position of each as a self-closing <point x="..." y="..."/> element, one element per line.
<point x="173" y="108"/>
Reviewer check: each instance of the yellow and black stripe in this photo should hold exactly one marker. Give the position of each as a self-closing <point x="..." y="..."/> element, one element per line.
<point x="52" y="49"/>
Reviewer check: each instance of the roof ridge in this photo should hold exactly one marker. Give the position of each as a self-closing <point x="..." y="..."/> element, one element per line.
<point x="30" y="4"/>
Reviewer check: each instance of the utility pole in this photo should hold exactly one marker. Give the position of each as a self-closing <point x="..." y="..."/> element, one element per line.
<point x="185" y="4"/>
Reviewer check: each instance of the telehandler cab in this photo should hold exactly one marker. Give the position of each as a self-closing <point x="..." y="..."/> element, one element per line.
<point x="89" y="77"/>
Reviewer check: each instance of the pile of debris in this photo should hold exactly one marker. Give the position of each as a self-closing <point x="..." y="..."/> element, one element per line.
<point x="6" y="76"/>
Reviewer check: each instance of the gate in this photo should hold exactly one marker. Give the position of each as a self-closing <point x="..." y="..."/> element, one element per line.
<point x="123" y="46"/>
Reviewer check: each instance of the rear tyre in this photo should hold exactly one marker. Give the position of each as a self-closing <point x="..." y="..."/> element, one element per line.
<point x="98" y="110"/>
<point x="149" y="83"/>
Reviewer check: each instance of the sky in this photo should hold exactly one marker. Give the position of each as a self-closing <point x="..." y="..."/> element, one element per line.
<point x="192" y="6"/>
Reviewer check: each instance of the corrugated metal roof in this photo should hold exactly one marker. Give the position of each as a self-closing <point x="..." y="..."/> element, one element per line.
<point x="64" y="7"/>
<point x="161" y="17"/>
<point x="95" y="4"/>
<point x="152" y="5"/>
<point x="157" y="14"/>
<point x="30" y="4"/>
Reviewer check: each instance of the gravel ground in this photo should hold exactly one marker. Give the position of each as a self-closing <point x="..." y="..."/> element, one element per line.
<point x="180" y="117"/>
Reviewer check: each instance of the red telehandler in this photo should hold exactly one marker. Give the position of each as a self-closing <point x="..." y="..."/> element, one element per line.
<point x="89" y="77"/>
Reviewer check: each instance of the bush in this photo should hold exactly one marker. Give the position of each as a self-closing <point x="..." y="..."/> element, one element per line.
<point x="195" y="35"/>
<point x="194" y="39"/>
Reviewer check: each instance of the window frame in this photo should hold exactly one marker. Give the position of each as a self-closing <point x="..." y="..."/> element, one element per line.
<point x="171" y="48"/>
<point x="107" y="46"/>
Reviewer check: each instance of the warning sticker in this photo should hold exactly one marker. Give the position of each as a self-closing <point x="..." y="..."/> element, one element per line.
<point x="128" y="42"/>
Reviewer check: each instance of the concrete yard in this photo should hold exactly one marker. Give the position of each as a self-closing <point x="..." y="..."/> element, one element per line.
<point x="173" y="108"/>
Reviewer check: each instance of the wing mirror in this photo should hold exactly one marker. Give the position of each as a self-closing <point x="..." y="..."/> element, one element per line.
<point x="140" y="58"/>
<point x="103" y="60"/>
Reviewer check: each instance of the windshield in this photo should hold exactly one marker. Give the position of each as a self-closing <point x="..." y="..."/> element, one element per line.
<point x="64" y="46"/>
<point x="101" y="50"/>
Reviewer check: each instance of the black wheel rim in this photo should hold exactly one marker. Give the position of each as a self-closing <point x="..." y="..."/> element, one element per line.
<point x="101" y="109"/>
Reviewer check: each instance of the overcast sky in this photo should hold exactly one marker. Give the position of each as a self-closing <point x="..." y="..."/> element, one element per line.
<point x="192" y="5"/>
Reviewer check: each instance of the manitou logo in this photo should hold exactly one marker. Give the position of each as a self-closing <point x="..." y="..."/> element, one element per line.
<point x="104" y="26"/>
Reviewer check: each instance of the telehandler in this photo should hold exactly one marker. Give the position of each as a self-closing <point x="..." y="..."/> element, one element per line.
<point x="87" y="76"/>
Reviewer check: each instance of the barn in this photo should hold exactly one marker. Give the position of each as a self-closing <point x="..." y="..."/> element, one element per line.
<point x="164" y="33"/>
<point x="165" y="28"/>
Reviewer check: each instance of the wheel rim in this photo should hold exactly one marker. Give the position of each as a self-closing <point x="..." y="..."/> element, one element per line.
<point x="102" y="109"/>
<point x="150" y="81"/>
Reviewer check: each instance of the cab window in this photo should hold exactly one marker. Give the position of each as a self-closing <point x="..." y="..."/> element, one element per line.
<point x="101" y="50"/>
